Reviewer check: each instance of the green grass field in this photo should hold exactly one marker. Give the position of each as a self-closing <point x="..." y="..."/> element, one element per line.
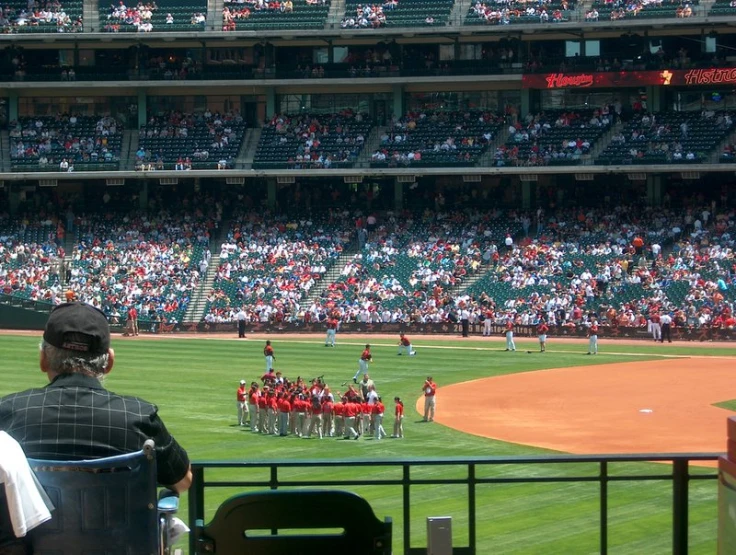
<point x="194" y="383"/>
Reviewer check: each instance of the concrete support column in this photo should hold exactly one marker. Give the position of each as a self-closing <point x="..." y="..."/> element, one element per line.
<point x="526" y="195"/>
<point x="398" y="196"/>
<point x="143" y="196"/>
<point x="654" y="190"/>
<point x="12" y="105"/>
<point x="526" y="103"/>
<point x="270" y="103"/>
<point x="142" y="108"/>
<point x="654" y="99"/>
<point x="398" y="104"/>
<point x="271" y="193"/>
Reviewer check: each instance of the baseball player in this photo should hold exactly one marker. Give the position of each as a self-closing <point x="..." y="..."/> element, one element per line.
<point x="378" y="430"/>
<point x="331" y="332"/>
<point x="268" y="353"/>
<point x="656" y="326"/>
<point x="399" y="422"/>
<point x="242" y="400"/>
<point x="510" y="345"/>
<point x="363" y="361"/>
<point x="405" y="346"/>
<point x="253" y="395"/>
<point x="593" y="337"/>
<point x="487" y="323"/>
<point x="542" y="329"/>
<point x="430" y="401"/>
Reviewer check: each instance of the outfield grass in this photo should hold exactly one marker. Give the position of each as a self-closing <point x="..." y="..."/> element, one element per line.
<point x="194" y="383"/>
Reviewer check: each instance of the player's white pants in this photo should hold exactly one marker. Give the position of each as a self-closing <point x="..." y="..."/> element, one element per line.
<point x="242" y="412"/>
<point x="269" y="363"/>
<point x="656" y="331"/>
<point x="510" y="345"/>
<point x="362" y="368"/>
<point x="487" y="323"/>
<point x="406" y="349"/>
<point x="378" y="426"/>
<point x="330" y="339"/>
<point x="593" y="344"/>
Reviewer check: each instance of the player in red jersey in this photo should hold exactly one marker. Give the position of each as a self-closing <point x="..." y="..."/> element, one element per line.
<point x="363" y="361"/>
<point x="399" y="422"/>
<point x="332" y="324"/>
<point x="378" y="430"/>
<point x="268" y="353"/>
<point x="242" y="400"/>
<point x="542" y="329"/>
<point x="593" y="337"/>
<point x="405" y="346"/>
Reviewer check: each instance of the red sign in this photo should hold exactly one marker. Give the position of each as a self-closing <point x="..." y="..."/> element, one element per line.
<point x="692" y="77"/>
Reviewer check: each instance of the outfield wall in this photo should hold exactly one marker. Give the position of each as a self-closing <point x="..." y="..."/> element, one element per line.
<point x="18" y="318"/>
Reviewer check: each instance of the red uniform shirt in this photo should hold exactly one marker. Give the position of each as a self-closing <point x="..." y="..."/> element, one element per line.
<point x="594" y="329"/>
<point x="262" y="402"/>
<point x="254" y="395"/>
<point x="284" y="405"/>
<point x="327" y="407"/>
<point x="542" y="329"/>
<point x="655" y="318"/>
<point x="405" y="341"/>
<point x="365" y="408"/>
<point x="509" y="325"/>
<point x="430" y="388"/>
<point x="399" y="410"/>
<point x="366" y="355"/>
<point x="273" y="403"/>
<point x="378" y="408"/>
<point x="351" y="409"/>
<point x="338" y="409"/>
<point x="331" y="324"/>
<point x="268" y="351"/>
<point x="241" y="394"/>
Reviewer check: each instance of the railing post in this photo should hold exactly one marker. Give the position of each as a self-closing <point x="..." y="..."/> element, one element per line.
<point x="405" y="481"/>
<point x="680" y="480"/>
<point x="196" y="504"/>
<point x="471" y="509"/>
<point x="274" y="484"/>
<point x="604" y="507"/>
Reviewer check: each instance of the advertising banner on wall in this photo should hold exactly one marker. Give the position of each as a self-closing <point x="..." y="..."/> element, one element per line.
<point x="618" y="79"/>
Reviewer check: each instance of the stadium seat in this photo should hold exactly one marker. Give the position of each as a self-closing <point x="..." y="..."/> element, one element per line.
<point x="107" y="505"/>
<point x="233" y="529"/>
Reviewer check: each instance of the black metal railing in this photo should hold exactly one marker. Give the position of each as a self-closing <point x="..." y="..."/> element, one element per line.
<point x="678" y="472"/>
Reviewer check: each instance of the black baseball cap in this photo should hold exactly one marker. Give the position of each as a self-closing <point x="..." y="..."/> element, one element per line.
<point x="78" y="327"/>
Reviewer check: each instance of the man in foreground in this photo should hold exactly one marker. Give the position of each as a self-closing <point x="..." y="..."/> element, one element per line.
<point x="74" y="417"/>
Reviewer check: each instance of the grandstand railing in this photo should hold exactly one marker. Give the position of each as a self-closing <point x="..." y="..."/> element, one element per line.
<point x="38" y="306"/>
<point x="678" y="473"/>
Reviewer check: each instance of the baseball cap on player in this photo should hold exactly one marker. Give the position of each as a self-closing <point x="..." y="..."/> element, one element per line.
<point x="78" y="327"/>
<point x="242" y="382"/>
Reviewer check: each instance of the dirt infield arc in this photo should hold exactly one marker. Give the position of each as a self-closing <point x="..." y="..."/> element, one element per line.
<point x="634" y="407"/>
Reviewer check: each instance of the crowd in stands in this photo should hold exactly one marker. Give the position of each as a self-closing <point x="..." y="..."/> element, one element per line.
<point x="141" y="17"/>
<point x="318" y="141"/>
<point x="269" y="264"/>
<point x="623" y="264"/>
<point x="65" y="139"/>
<point x="39" y="14"/>
<point x="180" y="139"/>
<point x="429" y="136"/>
<point x="502" y="12"/>
<point x="368" y="15"/>
<point x="544" y="138"/>
<point x="622" y="9"/>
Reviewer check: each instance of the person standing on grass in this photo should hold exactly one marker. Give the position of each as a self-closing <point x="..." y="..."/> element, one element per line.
<point x="363" y="361"/>
<point x="378" y="410"/>
<point x="268" y="353"/>
<point x="327" y="416"/>
<point x="242" y="397"/>
<point x="284" y="407"/>
<point x="253" y="395"/>
<point x="331" y="331"/>
<point x="399" y="421"/>
<point x="542" y="329"/>
<point x="133" y="320"/>
<point x="405" y="346"/>
<point x="510" y="345"/>
<point x="350" y="410"/>
<point x="593" y="337"/>
<point x="430" y="399"/>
